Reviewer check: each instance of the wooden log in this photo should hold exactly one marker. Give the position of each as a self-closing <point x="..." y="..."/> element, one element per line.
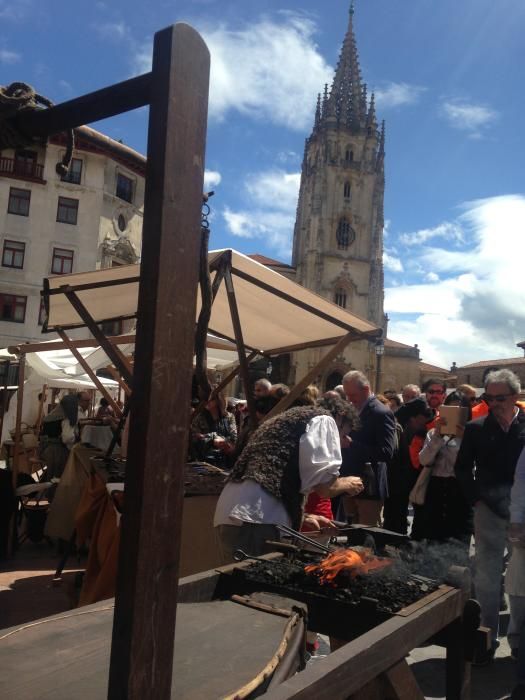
<point x="147" y="580"/>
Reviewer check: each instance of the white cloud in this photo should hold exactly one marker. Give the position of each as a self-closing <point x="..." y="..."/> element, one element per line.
<point x="477" y="310"/>
<point x="397" y="94"/>
<point x="392" y="263"/>
<point x="269" y="70"/>
<point x="113" y="30"/>
<point x="469" y="117"/>
<point x="15" y="10"/>
<point x="9" y="57"/>
<point x="212" y="178"/>
<point x="450" y="231"/>
<point x="272" y="196"/>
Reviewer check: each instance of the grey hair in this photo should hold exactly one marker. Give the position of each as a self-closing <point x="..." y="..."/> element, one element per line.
<point x="265" y="383"/>
<point x="340" y="390"/>
<point x="412" y="387"/>
<point x="504" y="376"/>
<point x="359" y="378"/>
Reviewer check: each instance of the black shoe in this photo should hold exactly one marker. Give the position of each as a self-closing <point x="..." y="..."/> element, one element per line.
<point x="484" y="658"/>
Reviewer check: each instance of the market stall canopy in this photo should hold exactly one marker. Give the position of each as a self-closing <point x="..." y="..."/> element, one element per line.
<point x="276" y="314"/>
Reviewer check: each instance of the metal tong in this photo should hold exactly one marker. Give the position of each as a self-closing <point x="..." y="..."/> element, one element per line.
<point x="303" y="538"/>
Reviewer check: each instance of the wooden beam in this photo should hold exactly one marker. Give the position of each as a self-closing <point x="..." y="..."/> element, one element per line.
<point x="18" y="423"/>
<point x="40" y="410"/>
<point x="89" y="371"/>
<point x="6" y="365"/>
<point x="288" y="400"/>
<point x="111" y="351"/>
<point x="147" y="579"/>
<point x="60" y="345"/>
<point x="243" y="364"/>
<point x="101" y="104"/>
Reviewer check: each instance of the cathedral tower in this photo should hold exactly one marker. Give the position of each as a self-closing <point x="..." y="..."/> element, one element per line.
<point x="338" y="236"/>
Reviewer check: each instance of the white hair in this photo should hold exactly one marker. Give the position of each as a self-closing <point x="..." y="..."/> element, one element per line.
<point x="264" y="382"/>
<point x="359" y="378"/>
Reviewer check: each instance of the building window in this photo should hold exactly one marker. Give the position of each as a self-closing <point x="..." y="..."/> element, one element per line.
<point x="12" y="308"/>
<point x="349" y="154"/>
<point x="62" y="261"/>
<point x="67" y="211"/>
<point x="340" y="298"/>
<point x="124" y="188"/>
<point x="42" y="315"/>
<point x="13" y="254"/>
<point x="25" y="163"/>
<point x="121" y="222"/>
<point x="343" y="234"/>
<point x="346" y="190"/>
<point x="19" y="201"/>
<point x="74" y="174"/>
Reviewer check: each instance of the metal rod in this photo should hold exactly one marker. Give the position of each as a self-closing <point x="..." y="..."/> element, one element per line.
<point x="303" y="538"/>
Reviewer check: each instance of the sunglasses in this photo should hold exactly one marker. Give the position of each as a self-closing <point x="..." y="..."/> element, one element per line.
<point x="500" y="398"/>
<point x="435" y="392"/>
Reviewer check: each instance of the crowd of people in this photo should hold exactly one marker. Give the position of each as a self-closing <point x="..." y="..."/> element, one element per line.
<point x="441" y="466"/>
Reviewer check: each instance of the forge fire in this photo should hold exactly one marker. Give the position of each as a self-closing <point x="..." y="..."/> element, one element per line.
<point x="347" y="562"/>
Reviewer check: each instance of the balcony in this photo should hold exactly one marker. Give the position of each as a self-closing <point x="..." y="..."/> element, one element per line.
<point x="21" y="169"/>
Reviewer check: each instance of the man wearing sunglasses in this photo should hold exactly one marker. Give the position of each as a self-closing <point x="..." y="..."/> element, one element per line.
<point x="485" y="469"/>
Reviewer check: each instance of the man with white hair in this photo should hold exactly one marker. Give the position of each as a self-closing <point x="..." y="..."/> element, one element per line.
<point x="372" y="443"/>
<point x="485" y="469"/>
<point x="261" y="388"/>
<point x="410" y="392"/>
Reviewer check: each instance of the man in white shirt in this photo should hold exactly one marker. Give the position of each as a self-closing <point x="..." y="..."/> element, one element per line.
<point x="288" y="456"/>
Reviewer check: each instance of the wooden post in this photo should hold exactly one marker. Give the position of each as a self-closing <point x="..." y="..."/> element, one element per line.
<point x="243" y="364"/>
<point x="7" y="365"/>
<point x="40" y="409"/>
<point x="18" y="424"/>
<point x="88" y="370"/>
<point x="147" y="579"/>
<point x="288" y="400"/>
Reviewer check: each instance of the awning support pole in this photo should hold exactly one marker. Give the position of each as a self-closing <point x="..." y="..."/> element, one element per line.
<point x="112" y="351"/>
<point x="88" y="370"/>
<point x="236" y="322"/>
<point x="288" y="400"/>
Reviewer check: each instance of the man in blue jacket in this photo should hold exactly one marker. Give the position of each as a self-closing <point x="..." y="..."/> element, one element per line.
<point x="485" y="469"/>
<point x="372" y="443"/>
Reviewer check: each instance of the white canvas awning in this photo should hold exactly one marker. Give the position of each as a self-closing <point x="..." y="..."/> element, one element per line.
<point x="276" y="314"/>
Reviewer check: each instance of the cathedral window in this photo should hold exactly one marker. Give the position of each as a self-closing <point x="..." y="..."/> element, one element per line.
<point x="346" y="190"/>
<point x="340" y="298"/>
<point x="349" y="154"/>
<point x="343" y="234"/>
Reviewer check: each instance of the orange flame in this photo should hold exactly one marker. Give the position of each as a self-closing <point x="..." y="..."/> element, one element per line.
<point x="350" y="561"/>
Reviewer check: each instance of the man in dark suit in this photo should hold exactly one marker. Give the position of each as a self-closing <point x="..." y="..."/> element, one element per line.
<point x="485" y="470"/>
<point x="372" y="443"/>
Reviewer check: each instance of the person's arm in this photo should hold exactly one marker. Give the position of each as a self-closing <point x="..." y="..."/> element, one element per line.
<point x="464" y="467"/>
<point x="433" y="443"/>
<point x="69" y="434"/>
<point x="320" y="459"/>
<point x="517" y="494"/>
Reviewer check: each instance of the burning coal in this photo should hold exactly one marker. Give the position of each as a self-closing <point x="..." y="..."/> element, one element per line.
<point x="348" y="562"/>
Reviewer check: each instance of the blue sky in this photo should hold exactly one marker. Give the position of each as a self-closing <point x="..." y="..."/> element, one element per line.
<point x="447" y="76"/>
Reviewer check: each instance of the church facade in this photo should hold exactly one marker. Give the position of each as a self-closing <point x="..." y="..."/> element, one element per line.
<point x="338" y="235"/>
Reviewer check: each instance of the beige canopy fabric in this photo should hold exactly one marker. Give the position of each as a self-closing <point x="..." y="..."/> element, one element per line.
<point x="276" y="314"/>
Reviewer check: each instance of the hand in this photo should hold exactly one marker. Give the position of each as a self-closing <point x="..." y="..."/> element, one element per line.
<point x="352" y="485"/>
<point x="345" y="441"/>
<point x="316" y="523"/>
<point x="219" y="443"/>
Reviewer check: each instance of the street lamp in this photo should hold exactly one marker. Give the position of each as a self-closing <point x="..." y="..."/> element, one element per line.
<point x="380" y="351"/>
